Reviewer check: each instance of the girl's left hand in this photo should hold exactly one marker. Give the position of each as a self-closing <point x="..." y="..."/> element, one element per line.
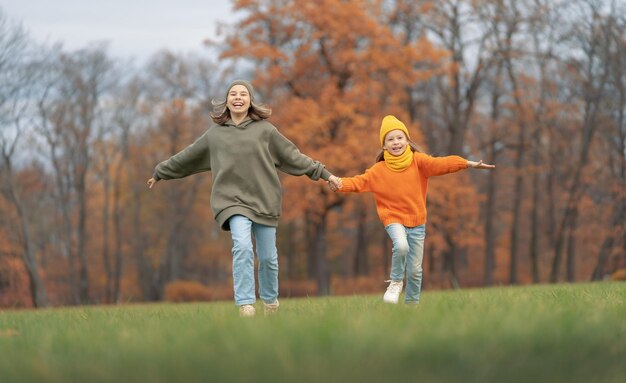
<point x="151" y="182"/>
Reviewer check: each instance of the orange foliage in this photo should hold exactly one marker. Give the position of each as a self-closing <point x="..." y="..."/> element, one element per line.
<point x="453" y="205"/>
<point x="190" y="291"/>
<point x="330" y="69"/>
<point x="619" y="275"/>
<point x="345" y="73"/>
<point x="14" y="286"/>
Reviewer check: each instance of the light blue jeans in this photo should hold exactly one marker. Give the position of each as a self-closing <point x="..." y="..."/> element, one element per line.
<point x="407" y="254"/>
<point x="241" y="229"/>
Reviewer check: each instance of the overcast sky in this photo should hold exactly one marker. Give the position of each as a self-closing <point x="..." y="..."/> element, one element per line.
<point x="133" y="28"/>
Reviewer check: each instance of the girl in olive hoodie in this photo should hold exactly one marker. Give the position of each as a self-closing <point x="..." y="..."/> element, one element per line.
<point x="243" y="152"/>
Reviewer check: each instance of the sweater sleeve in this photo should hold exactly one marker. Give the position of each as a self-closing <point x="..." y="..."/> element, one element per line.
<point x="356" y="184"/>
<point x="437" y="166"/>
<point x="193" y="159"/>
<point x="290" y="160"/>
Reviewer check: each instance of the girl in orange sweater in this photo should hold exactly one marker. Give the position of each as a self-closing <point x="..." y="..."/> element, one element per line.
<point x="399" y="180"/>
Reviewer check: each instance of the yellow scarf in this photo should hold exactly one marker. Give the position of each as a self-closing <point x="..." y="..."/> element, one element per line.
<point x="401" y="162"/>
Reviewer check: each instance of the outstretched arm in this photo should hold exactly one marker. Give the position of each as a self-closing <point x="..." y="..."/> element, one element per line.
<point x="290" y="160"/>
<point x="479" y="165"/>
<point x="195" y="158"/>
<point x="356" y="184"/>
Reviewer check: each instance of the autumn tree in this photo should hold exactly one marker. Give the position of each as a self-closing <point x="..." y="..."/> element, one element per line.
<point x="18" y="78"/>
<point x="178" y="92"/>
<point x="445" y="104"/>
<point x="590" y="74"/>
<point x="542" y="24"/>
<point x="614" y="138"/>
<point x="69" y="121"/>
<point x="331" y="70"/>
<point x="114" y="155"/>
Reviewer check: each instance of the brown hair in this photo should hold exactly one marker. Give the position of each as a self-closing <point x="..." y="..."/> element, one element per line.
<point x="221" y="113"/>
<point x="412" y="145"/>
<point x="257" y="112"/>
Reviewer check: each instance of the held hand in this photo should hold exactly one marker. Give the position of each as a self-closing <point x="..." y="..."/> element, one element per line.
<point x="151" y="182"/>
<point x="480" y="165"/>
<point x="334" y="183"/>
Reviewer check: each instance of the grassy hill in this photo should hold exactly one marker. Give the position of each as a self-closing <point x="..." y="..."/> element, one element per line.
<point x="548" y="333"/>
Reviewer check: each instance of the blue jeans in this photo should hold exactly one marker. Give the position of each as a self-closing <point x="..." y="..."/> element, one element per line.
<point x="241" y="229"/>
<point x="407" y="254"/>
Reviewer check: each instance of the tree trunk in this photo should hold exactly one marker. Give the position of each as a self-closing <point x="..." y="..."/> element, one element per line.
<point x="386" y="253"/>
<point x="619" y="216"/>
<point x="517" y="202"/>
<point x="361" y="266"/>
<point x="572" y="202"/>
<point x="323" y="268"/>
<point x="430" y="255"/>
<point x="106" y="254"/>
<point x="37" y="288"/>
<point x="170" y="262"/>
<point x="63" y="201"/>
<point x="145" y="274"/>
<point x="449" y="262"/>
<point x="536" y="159"/>
<point x="594" y="95"/>
<point x="600" y="270"/>
<point x="550" y="184"/>
<point x="534" y="226"/>
<point x="83" y="274"/>
<point x="290" y="251"/>
<point x="310" y="227"/>
<point x="117" y="229"/>
<point x="519" y="164"/>
<point x="619" y="212"/>
<point x="571" y="249"/>
<point x="490" y="258"/>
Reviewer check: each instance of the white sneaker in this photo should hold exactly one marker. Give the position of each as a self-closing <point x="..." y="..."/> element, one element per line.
<point x="247" y="311"/>
<point x="393" y="292"/>
<point x="270" y="308"/>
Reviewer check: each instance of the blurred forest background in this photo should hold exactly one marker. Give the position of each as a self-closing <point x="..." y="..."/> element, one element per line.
<point x="536" y="87"/>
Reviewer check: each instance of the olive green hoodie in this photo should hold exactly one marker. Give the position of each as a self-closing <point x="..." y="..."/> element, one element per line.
<point x="243" y="160"/>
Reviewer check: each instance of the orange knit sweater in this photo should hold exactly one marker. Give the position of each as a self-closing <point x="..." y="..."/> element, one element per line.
<point x="401" y="196"/>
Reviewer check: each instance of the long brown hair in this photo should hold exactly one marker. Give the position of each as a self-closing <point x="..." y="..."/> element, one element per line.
<point x="412" y="145"/>
<point x="221" y="113"/>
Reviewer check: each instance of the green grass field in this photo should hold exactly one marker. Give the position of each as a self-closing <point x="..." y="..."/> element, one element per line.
<point x="553" y="333"/>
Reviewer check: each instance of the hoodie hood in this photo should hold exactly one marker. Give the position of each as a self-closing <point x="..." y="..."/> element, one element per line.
<point x="244" y="124"/>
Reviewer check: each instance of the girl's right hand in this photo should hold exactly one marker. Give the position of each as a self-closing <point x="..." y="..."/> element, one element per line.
<point x="151" y="182"/>
<point x="479" y="165"/>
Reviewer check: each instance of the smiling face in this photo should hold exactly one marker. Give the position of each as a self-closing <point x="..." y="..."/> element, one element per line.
<point x="238" y="100"/>
<point x="395" y="142"/>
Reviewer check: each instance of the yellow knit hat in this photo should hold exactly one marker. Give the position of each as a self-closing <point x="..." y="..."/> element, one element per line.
<point x="391" y="123"/>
